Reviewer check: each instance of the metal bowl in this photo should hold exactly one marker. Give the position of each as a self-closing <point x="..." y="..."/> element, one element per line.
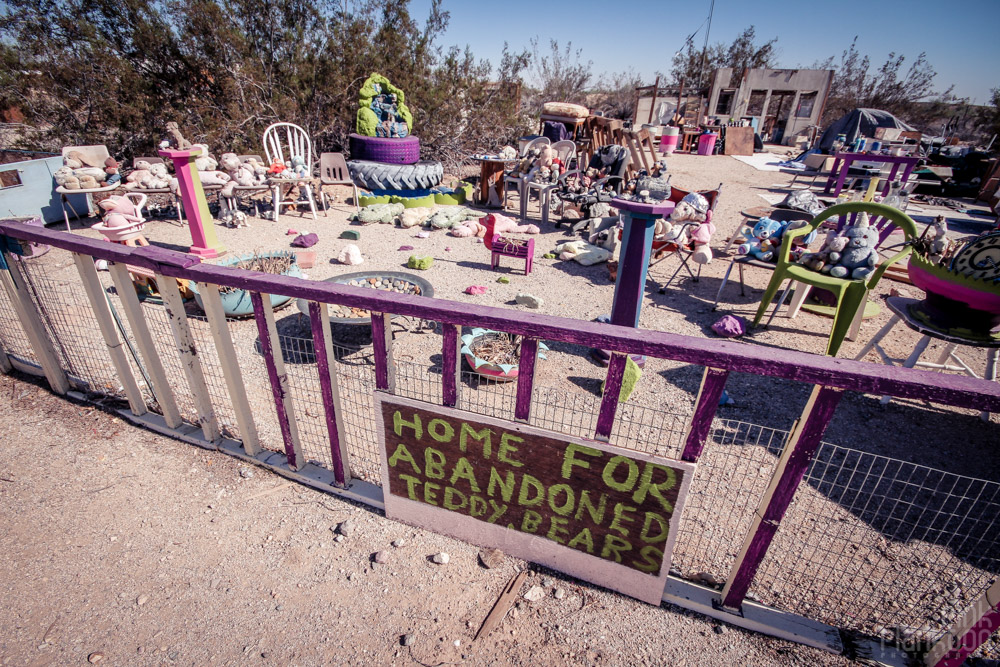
<point x="425" y="290"/>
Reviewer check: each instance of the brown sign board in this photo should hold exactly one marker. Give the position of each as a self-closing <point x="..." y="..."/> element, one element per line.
<point x="602" y="513"/>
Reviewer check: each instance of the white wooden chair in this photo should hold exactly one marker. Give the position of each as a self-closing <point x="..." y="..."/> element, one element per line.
<point x="282" y="142"/>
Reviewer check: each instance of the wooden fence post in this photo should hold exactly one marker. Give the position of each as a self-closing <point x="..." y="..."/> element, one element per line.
<point x="527" y="364"/>
<point x="102" y="312"/>
<point x="5" y="365"/>
<point x="13" y="282"/>
<point x="174" y="307"/>
<point x="230" y="367"/>
<point x="385" y="368"/>
<point x="451" y="365"/>
<point x="609" y="401"/>
<point x="795" y="459"/>
<point x="268" y="332"/>
<point x="329" y="390"/>
<point x="713" y="381"/>
<point x="162" y="391"/>
<point x="969" y="632"/>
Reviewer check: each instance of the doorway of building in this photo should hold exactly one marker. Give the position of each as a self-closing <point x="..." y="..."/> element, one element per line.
<point x="779" y="109"/>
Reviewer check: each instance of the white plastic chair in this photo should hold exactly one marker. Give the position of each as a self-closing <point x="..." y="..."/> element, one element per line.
<point x="282" y="142"/>
<point x="521" y="179"/>
<point x="565" y="151"/>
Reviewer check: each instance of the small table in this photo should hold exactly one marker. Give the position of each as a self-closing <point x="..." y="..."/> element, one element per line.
<point x="491" y="173"/>
<point x="900" y="308"/>
<point x="843" y="161"/>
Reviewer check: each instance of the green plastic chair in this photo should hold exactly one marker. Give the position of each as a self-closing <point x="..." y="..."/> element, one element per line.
<point x="851" y="294"/>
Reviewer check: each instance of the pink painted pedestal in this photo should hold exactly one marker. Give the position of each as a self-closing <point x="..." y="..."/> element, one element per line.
<point x="204" y="243"/>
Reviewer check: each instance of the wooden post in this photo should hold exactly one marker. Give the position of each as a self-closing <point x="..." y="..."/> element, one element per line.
<point x="102" y="312"/>
<point x="451" y="367"/>
<point x="230" y="366"/>
<point x="527" y="363"/>
<point x="5" y="365"/>
<point x="162" y="391"/>
<point x="268" y="332"/>
<point x="190" y="362"/>
<point x="713" y="381"/>
<point x="13" y="282"/>
<point x="609" y="401"/>
<point x="798" y="453"/>
<point x="969" y="632"/>
<point x="656" y="89"/>
<point x="385" y="368"/>
<point x="329" y="390"/>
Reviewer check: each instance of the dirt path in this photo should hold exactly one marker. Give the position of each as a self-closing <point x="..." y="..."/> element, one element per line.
<point x="149" y="551"/>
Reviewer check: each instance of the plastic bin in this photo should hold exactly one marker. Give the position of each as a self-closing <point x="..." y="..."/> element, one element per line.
<point x="706" y="143"/>
<point x="669" y="139"/>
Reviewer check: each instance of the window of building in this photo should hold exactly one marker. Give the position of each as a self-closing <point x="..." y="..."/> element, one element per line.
<point x="725" y="105"/>
<point x="806" y="103"/>
<point x="756" y="105"/>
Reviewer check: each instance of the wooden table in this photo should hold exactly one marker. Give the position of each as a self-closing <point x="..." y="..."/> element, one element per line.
<point x="491" y="177"/>
<point x="843" y="161"/>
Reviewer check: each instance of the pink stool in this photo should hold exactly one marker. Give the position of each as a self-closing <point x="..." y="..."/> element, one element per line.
<point x="504" y="247"/>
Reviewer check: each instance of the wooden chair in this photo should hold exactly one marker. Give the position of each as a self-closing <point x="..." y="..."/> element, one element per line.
<point x="850" y="294"/>
<point x="333" y="171"/>
<point x="282" y="142"/>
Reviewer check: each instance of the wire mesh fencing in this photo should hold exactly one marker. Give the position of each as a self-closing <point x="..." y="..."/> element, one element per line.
<point x="12" y="335"/>
<point x="883" y="546"/>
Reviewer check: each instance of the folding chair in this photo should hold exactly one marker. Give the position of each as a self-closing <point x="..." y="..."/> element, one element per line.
<point x="665" y="248"/>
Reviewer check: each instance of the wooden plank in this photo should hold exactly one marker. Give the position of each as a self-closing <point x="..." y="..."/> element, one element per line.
<point x="969" y="632"/>
<point x="451" y="366"/>
<point x="281" y="392"/>
<point x="102" y="313"/>
<point x="802" y="444"/>
<point x="503" y="604"/>
<point x="527" y="364"/>
<point x="733" y="356"/>
<point x="190" y="362"/>
<point x="609" y="401"/>
<point x="5" y="365"/>
<point x="230" y="367"/>
<point x="330" y="391"/>
<point x="713" y="381"/>
<point x="13" y="281"/>
<point x="739" y="141"/>
<point x="385" y="369"/>
<point x="162" y="391"/>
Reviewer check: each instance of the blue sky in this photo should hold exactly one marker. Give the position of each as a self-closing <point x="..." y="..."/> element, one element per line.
<point x="960" y="37"/>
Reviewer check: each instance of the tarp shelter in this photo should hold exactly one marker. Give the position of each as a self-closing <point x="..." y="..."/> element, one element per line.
<point x="860" y="123"/>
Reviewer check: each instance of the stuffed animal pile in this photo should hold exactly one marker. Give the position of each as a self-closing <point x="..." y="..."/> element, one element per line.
<point x="693" y="208"/>
<point x="852" y="254"/>
<point x="79" y="173"/>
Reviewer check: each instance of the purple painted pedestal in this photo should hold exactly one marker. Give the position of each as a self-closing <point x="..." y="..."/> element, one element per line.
<point x="637" y="241"/>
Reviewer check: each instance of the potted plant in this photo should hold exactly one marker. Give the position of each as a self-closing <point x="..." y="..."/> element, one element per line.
<point x="235" y="301"/>
<point x="495" y="354"/>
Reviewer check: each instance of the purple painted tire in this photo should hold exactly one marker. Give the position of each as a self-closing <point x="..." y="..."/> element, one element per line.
<point x="385" y="149"/>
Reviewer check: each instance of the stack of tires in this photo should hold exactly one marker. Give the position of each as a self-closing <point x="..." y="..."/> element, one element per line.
<point x="391" y="170"/>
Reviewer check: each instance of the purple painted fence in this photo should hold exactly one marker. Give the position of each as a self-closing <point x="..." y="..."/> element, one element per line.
<point x="830" y="376"/>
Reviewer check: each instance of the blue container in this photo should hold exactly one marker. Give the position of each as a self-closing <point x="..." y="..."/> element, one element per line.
<point x="876" y="146"/>
<point x="236" y="303"/>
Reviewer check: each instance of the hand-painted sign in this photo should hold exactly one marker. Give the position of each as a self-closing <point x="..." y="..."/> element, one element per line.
<point x="598" y="512"/>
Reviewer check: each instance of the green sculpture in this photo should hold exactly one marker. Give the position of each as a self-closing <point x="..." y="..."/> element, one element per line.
<point x="382" y="110"/>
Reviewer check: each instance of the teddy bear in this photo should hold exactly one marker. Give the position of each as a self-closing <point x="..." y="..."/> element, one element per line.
<point x="860" y="256"/>
<point x="936" y="241"/>
<point x="87" y="180"/>
<point x="765" y="237"/>
<point x="820" y="260"/>
<point x="258" y="168"/>
<point x="66" y="179"/>
<point x="76" y="160"/>
<point x="204" y="162"/>
<point x="298" y="167"/>
<point x="158" y="176"/>
<point x="239" y="174"/>
<point x="692" y="208"/>
<point x="468" y="229"/>
<point x="140" y="172"/>
<point x="111" y="175"/>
